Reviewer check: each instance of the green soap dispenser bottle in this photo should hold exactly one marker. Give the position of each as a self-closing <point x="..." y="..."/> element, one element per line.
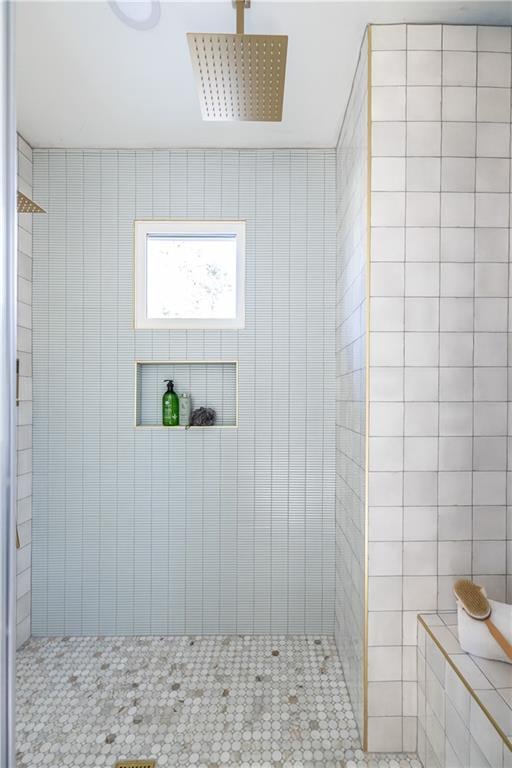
<point x="170" y="406"/>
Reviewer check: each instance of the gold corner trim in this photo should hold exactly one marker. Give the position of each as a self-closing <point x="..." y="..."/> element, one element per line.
<point x="461" y="677"/>
<point x="367" y="378"/>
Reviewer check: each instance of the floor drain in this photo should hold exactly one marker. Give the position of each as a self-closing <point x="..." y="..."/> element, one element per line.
<point x="136" y="764"/>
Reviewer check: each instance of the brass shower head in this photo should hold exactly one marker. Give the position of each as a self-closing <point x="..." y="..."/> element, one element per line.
<point x="26" y="205"/>
<point x="239" y="77"/>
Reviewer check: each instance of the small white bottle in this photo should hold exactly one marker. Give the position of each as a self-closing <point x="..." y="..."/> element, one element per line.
<point x="184" y="409"/>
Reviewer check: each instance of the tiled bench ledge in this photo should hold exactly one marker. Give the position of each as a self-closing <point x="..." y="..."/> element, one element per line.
<point x="464" y="702"/>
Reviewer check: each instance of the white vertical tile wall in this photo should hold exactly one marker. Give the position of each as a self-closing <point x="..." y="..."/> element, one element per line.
<point x="351" y="305"/>
<point x="189" y="532"/>
<point x="439" y="348"/>
<point x="24" y="410"/>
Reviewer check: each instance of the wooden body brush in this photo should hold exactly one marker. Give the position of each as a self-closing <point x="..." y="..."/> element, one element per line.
<point x="476" y="605"/>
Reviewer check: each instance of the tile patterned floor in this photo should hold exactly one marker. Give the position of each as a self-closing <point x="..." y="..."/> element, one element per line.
<point x="189" y="702"/>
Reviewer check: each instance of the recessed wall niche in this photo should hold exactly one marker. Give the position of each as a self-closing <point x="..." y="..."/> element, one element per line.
<point x="210" y="383"/>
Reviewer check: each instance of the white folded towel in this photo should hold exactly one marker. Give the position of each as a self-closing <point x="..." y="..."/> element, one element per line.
<point x="475" y="638"/>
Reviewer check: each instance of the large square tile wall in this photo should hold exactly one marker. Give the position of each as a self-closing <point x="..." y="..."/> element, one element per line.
<point x="351" y="308"/>
<point x="201" y="531"/>
<point x="439" y="383"/>
<point x="24" y="410"/>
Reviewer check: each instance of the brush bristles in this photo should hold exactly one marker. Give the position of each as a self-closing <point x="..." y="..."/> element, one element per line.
<point x="473" y="600"/>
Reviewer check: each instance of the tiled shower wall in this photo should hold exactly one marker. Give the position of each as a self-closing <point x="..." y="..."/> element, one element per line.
<point x="24" y="410"/>
<point x="171" y="532"/>
<point x="439" y="354"/>
<point x="351" y="307"/>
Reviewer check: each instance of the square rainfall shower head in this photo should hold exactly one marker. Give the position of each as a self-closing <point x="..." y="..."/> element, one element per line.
<point x="239" y="77"/>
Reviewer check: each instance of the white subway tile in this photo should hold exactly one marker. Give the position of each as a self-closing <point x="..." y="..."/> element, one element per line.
<point x="492" y="139"/>
<point x="492" y="174"/>
<point x="420" y="454"/>
<point x="384" y="699"/>
<point x="457" y="244"/>
<point x="387" y="243"/>
<point x="422" y="243"/>
<point x="489" y="453"/>
<point x="459" y="103"/>
<point x="494" y="38"/>
<point x="423" y="67"/>
<point x="388" y="37"/>
<point x="388" y="209"/>
<point x="421" y="384"/>
<point x="424" y="37"/>
<point x="385" y="558"/>
<point x="421" y="419"/>
<point x="490" y="384"/>
<point x="423" y="139"/>
<point x="384" y="628"/>
<point x="456" y="384"/>
<point x="456" y="279"/>
<point x="457" y="209"/>
<point x="459" y="68"/>
<point x="456" y="314"/>
<point x="492" y="209"/>
<point x="388" y="68"/>
<point x="388" y="139"/>
<point x="388" y="103"/>
<point x="491" y="279"/>
<point x="385" y="593"/>
<point x="385" y="524"/>
<point x="494" y="70"/>
<point x="493" y="105"/>
<point x="423" y="102"/>
<point x="384" y="663"/>
<point x="388" y="174"/>
<point x="455" y="453"/>
<point x="491" y="244"/>
<point x="421" y="279"/>
<point x="489" y="488"/>
<point x="459" y="37"/>
<point x="458" y="174"/>
<point x="387" y="313"/>
<point x="386" y="419"/>
<point x="421" y="349"/>
<point x="420" y="593"/>
<point x="454" y="523"/>
<point x="421" y="314"/>
<point x="423" y="174"/>
<point x="455" y="419"/>
<point x="420" y="523"/>
<point x="420" y="488"/>
<point x="459" y="139"/>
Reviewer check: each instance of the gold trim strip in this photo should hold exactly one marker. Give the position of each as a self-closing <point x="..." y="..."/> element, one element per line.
<point x="367" y="379"/>
<point x="465" y="682"/>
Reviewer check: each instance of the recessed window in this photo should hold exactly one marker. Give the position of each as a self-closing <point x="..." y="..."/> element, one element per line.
<point x="189" y="274"/>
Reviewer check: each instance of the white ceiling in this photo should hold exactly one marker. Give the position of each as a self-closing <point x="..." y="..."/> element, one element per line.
<point x="85" y="79"/>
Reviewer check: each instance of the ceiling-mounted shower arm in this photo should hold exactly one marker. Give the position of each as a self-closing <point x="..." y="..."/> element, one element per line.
<point x="240" y="6"/>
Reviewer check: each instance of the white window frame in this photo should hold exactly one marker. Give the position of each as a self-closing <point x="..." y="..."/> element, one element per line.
<point x="174" y="228"/>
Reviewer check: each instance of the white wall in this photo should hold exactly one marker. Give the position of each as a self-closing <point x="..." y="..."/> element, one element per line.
<point x="24" y="410"/>
<point x="183" y="532"/>
<point x="351" y="308"/>
<point x="439" y="341"/>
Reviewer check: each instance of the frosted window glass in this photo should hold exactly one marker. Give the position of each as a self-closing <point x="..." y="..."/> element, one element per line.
<point x="191" y="277"/>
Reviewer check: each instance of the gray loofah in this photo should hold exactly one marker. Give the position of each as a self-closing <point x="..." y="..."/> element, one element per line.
<point x="203" y="417"/>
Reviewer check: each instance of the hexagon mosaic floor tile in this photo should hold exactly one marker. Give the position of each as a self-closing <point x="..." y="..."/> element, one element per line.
<point x="188" y="702"/>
